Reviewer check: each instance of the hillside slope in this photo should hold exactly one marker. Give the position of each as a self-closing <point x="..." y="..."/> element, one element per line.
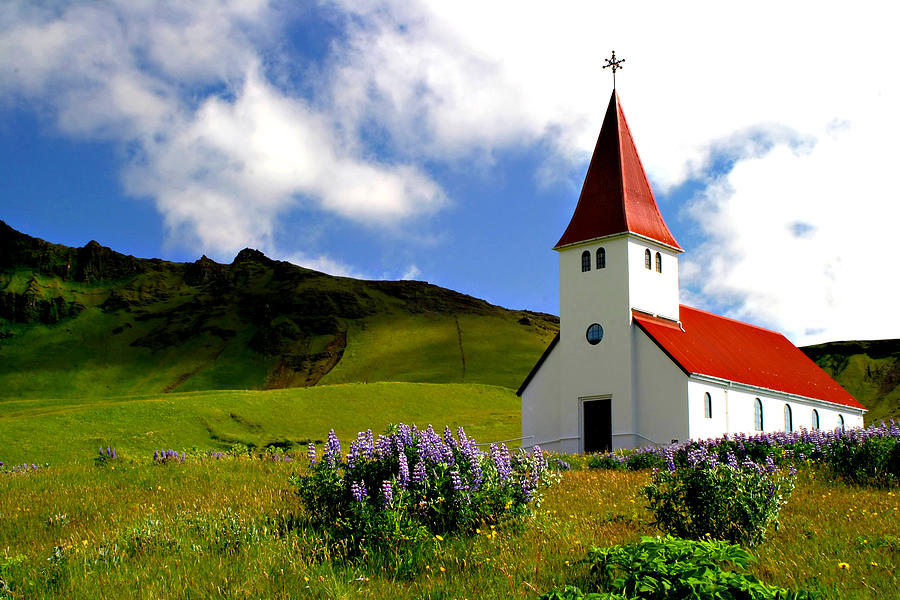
<point x="870" y="370"/>
<point x="92" y="321"/>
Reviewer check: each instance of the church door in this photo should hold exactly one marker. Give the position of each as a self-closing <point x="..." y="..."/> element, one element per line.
<point x="597" y="434"/>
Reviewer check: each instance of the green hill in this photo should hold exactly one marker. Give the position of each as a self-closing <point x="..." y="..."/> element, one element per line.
<point x="870" y="370"/>
<point x="89" y="322"/>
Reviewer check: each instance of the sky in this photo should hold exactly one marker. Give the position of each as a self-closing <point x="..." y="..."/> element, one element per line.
<point x="447" y="141"/>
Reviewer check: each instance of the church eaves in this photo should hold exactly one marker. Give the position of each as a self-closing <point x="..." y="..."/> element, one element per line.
<point x="616" y="196"/>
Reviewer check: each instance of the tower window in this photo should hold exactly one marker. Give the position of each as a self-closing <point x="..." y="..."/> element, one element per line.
<point x="658" y="262"/>
<point x="594" y="334"/>
<point x="788" y="419"/>
<point x="815" y="420"/>
<point x="647" y="259"/>
<point x="757" y="415"/>
<point x="585" y="261"/>
<point x="707" y="405"/>
<point x="601" y="258"/>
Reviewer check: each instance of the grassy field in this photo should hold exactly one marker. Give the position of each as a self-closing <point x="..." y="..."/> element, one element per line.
<point x="228" y="529"/>
<point x="62" y="431"/>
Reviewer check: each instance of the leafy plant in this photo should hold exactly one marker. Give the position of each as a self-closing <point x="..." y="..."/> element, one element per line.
<point x="411" y="485"/>
<point x="671" y="569"/>
<point x="724" y="501"/>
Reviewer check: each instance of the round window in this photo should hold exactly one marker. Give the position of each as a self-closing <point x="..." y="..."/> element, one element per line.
<point x="594" y="334"/>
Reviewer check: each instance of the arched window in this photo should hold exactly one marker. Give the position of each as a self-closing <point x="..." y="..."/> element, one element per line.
<point x="757" y="415"/>
<point x="601" y="258"/>
<point x="815" y="420"/>
<point x="585" y="261"/>
<point x="648" y="258"/>
<point x="658" y="262"/>
<point x="841" y="423"/>
<point x="788" y="419"/>
<point x="707" y="405"/>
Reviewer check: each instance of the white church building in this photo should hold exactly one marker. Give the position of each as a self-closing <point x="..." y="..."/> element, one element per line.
<point x="631" y="366"/>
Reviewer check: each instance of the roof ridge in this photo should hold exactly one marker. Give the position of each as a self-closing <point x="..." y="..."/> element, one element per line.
<point x="733" y="320"/>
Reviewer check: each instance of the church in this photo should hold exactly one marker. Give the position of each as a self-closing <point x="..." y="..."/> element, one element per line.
<point x="633" y="367"/>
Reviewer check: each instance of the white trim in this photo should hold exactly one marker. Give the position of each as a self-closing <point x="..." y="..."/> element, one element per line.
<point x="727" y="384"/>
<point x="614" y="236"/>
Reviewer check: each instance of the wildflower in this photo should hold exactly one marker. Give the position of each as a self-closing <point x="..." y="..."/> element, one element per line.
<point x="403" y="477"/>
<point x="332" y="453"/>
<point x="439" y="538"/>
<point x="443" y="569"/>
<point x="311" y="453"/>
<point x="358" y="490"/>
<point x="387" y="491"/>
<point x="843" y="565"/>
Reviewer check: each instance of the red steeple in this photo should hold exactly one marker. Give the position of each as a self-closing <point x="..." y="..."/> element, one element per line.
<point x="616" y="196"/>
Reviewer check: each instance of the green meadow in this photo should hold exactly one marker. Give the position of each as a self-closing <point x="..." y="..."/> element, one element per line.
<point x="66" y="431"/>
<point x="232" y="528"/>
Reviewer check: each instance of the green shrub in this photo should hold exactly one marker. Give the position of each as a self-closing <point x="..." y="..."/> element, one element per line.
<point x="672" y="569"/>
<point x="399" y="492"/>
<point x="724" y="501"/>
<point x="866" y="458"/>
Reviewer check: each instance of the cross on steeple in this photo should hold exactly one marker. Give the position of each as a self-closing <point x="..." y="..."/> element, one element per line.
<point x="615" y="64"/>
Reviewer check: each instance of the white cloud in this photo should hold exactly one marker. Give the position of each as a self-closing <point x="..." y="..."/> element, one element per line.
<point x="221" y="150"/>
<point x="802" y="241"/>
<point x="412" y="272"/>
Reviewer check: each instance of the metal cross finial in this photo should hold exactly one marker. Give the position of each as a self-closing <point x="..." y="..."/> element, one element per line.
<point x="615" y="64"/>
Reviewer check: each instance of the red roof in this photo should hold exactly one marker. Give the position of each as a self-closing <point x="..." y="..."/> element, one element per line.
<point x="707" y="344"/>
<point x="616" y="196"/>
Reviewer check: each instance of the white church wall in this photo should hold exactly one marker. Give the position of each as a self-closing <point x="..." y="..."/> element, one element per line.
<point x="661" y="396"/>
<point x="587" y="371"/>
<point x="702" y="427"/>
<point x="652" y="291"/>
<point x="541" y="406"/>
<point x="738" y="407"/>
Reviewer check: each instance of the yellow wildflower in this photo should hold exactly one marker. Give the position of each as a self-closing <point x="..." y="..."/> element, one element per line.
<point x="843" y="565"/>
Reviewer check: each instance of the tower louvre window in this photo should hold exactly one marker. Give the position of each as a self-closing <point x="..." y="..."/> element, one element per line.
<point x="757" y="415"/>
<point x="601" y="258"/>
<point x="707" y="405"/>
<point x="648" y="259"/>
<point x="585" y="261"/>
<point x="658" y="262"/>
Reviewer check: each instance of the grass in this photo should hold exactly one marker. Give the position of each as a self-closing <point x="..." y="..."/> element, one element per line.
<point x="228" y="529"/>
<point x="61" y="431"/>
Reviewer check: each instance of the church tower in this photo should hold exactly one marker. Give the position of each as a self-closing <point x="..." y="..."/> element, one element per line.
<point x="617" y="254"/>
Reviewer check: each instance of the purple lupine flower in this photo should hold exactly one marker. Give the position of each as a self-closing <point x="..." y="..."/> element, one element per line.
<point x="403" y="476"/>
<point x="387" y="491"/>
<point x="311" y="453"/>
<point x="732" y="460"/>
<point x="331" y="456"/>
<point x="358" y="490"/>
<point x="457" y="481"/>
<point x="670" y="459"/>
<point x="502" y="462"/>
<point x="418" y="473"/>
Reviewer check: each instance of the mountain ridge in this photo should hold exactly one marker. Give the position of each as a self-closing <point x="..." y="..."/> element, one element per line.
<point x="294" y="325"/>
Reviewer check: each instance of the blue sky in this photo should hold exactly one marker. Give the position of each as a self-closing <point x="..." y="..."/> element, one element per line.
<point x="447" y="142"/>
